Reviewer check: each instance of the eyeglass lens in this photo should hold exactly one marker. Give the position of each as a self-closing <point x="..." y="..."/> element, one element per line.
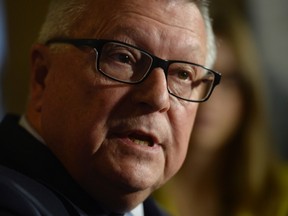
<point x="128" y="64"/>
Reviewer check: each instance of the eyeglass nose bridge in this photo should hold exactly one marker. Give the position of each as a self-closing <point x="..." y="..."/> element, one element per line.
<point x="159" y="63"/>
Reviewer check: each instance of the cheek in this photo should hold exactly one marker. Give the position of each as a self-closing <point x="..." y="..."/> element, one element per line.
<point x="74" y="117"/>
<point x="77" y="130"/>
<point x="182" y="120"/>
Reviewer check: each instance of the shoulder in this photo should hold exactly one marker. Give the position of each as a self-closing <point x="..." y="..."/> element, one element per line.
<point x="21" y="195"/>
<point x="10" y="131"/>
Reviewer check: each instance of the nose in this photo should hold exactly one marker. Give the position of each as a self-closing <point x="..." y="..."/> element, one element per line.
<point x="152" y="93"/>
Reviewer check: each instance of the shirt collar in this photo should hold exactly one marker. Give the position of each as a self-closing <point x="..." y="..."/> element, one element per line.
<point x="23" y="122"/>
<point x="138" y="211"/>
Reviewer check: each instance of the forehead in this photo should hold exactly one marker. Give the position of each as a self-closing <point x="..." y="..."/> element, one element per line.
<point x="150" y="24"/>
<point x="179" y="14"/>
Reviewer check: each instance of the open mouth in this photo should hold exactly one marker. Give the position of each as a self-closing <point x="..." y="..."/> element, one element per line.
<point x="141" y="140"/>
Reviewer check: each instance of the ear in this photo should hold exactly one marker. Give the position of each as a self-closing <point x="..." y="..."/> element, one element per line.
<point x="39" y="67"/>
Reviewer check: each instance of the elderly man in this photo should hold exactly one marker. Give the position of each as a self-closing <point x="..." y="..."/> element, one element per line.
<point x="114" y="92"/>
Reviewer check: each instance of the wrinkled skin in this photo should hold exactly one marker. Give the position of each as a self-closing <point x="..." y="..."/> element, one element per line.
<point x="100" y="128"/>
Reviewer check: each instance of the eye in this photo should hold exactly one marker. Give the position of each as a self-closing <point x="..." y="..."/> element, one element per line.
<point x="182" y="72"/>
<point x="183" y="75"/>
<point x="115" y="53"/>
<point x="122" y="57"/>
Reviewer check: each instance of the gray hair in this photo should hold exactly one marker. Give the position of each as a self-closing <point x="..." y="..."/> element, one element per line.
<point x="211" y="45"/>
<point x="63" y="14"/>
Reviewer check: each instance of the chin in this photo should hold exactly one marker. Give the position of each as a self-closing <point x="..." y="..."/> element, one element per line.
<point x="140" y="180"/>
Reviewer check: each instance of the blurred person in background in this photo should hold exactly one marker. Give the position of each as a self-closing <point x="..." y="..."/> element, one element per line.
<point x="231" y="168"/>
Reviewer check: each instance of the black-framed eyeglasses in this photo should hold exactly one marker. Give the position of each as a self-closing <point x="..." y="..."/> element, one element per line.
<point x="125" y="63"/>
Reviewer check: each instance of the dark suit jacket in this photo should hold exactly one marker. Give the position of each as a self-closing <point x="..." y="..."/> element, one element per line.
<point x="33" y="181"/>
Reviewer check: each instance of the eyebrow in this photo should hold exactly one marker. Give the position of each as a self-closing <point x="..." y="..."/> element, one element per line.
<point x="129" y="35"/>
<point x="136" y="37"/>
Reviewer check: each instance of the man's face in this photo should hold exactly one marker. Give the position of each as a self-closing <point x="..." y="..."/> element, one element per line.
<point x="118" y="138"/>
